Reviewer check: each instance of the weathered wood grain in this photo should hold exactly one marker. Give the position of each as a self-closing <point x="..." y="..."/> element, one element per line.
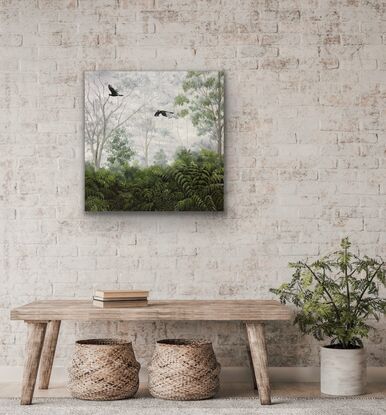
<point x="48" y="353"/>
<point x="252" y="369"/>
<point x="258" y="349"/>
<point x="36" y="332"/>
<point x="177" y="310"/>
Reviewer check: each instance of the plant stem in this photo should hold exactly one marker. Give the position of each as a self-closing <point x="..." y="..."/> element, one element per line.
<point x="324" y="289"/>
<point x="366" y="287"/>
<point x="346" y="279"/>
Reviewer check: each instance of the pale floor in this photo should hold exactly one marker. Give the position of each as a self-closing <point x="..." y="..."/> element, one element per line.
<point x="295" y="390"/>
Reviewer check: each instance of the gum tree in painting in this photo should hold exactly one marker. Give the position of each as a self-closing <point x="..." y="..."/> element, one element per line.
<point x="154" y="141"/>
<point x="203" y="101"/>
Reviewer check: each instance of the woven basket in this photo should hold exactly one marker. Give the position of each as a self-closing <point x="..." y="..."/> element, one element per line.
<point x="103" y="370"/>
<point x="184" y="370"/>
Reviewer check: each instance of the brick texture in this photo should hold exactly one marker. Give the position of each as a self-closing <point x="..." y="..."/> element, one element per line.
<point x="305" y="158"/>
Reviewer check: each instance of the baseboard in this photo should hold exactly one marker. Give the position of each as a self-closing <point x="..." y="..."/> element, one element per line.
<point x="228" y="374"/>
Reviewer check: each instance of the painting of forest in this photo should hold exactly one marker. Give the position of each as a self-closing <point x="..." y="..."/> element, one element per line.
<point x="154" y="141"/>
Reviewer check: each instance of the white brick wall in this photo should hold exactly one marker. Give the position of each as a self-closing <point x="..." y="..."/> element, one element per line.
<point x="306" y="163"/>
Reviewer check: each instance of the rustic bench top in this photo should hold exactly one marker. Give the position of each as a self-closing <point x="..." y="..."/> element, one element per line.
<point x="209" y="310"/>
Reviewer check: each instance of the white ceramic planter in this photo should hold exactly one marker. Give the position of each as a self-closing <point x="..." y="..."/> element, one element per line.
<point x="342" y="371"/>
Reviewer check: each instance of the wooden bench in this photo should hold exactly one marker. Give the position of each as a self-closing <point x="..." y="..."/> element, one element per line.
<point x="44" y="317"/>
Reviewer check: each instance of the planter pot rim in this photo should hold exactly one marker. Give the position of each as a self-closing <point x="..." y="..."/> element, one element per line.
<point x="328" y="347"/>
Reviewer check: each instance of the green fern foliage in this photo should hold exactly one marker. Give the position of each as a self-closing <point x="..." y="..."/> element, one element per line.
<point x="193" y="182"/>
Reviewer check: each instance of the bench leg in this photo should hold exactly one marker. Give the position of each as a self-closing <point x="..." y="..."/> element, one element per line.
<point x="36" y="333"/>
<point x="48" y="353"/>
<point x="258" y="349"/>
<point x="251" y="366"/>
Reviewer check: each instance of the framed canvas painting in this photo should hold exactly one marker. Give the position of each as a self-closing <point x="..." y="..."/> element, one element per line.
<point x="154" y="141"/>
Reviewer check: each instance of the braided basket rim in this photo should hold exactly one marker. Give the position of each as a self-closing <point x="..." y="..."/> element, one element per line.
<point x="183" y="343"/>
<point x="103" y="342"/>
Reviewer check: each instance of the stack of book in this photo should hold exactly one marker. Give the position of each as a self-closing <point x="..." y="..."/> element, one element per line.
<point x="120" y="298"/>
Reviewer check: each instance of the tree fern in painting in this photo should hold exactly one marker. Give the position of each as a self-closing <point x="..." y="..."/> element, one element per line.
<point x="202" y="189"/>
<point x="195" y="181"/>
<point x="151" y="191"/>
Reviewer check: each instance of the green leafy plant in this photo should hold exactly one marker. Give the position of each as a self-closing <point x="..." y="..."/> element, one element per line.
<point x="193" y="181"/>
<point x="336" y="295"/>
<point x="199" y="179"/>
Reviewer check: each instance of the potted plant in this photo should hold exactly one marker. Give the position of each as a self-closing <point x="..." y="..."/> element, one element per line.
<point x="335" y="296"/>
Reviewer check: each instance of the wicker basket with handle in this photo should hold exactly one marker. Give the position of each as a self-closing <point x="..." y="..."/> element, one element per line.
<point x="103" y="370"/>
<point x="184" y="370"/>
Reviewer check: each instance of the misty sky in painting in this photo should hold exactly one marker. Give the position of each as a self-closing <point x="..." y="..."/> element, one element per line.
<point x="143" y="94"/>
